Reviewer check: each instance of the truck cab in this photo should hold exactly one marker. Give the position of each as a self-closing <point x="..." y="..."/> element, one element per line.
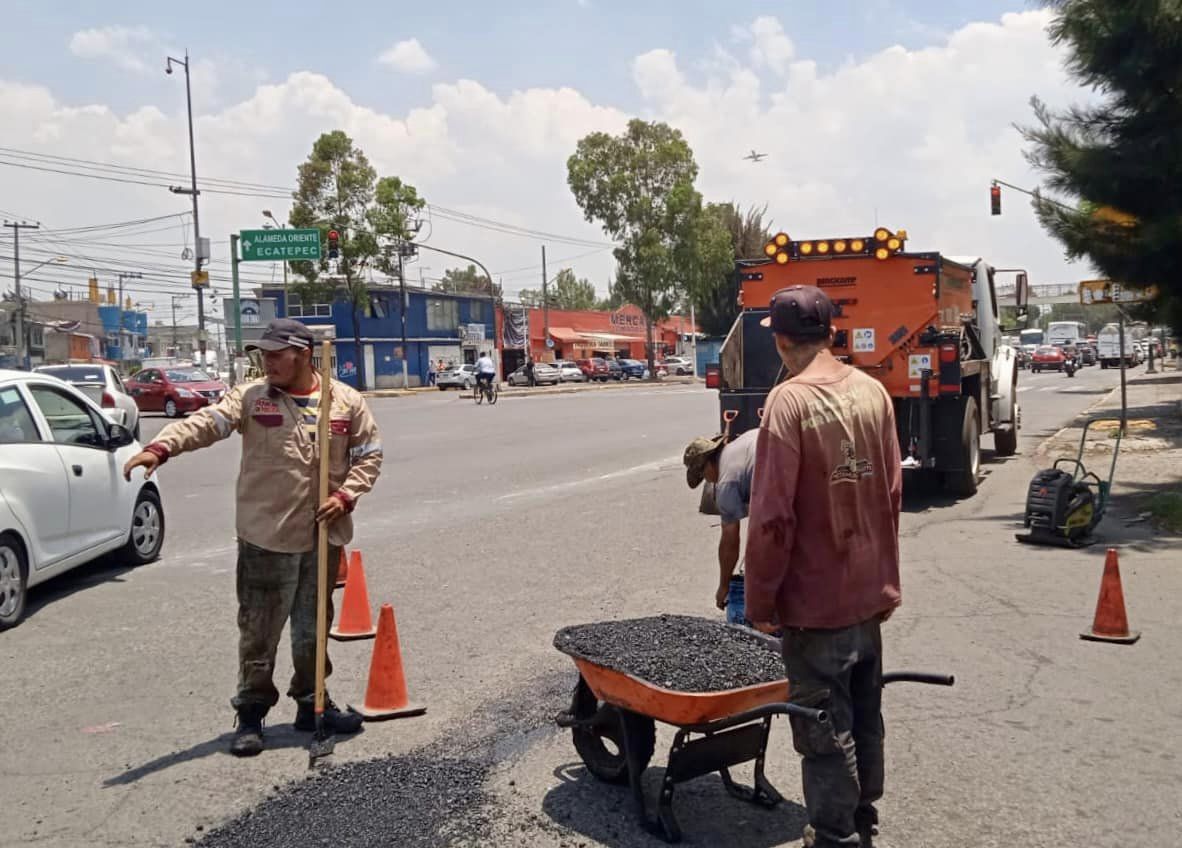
<point x="925" y="325"/>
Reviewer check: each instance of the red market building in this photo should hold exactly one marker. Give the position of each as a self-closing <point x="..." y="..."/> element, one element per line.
<point x="584" y="334"/>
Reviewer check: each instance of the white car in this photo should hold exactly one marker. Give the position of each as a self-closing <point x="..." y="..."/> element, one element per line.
<point x="63" y="499"/>
<point x="568" y="372"/>
<point x="102" y="384"/>
<point x="461" y="377"/>
<point x="678" y="365"/>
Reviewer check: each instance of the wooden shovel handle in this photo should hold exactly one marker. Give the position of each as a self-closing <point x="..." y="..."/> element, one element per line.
<point x="323" y="415"/>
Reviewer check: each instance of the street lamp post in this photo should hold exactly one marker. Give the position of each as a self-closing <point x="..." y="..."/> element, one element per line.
<point x="192" y="191"/>
<point x="267" y="214"/>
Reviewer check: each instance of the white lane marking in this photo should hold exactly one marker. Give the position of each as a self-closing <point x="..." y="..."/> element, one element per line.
<point x="1024" y="388"/>
<point x="611" y="475"/>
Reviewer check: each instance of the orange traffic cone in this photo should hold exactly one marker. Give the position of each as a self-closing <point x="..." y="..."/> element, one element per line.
<point x="1111" y="624"/>
<point x="385" y="695"/>
<point x="342" y="569"/>
<point x="354" y="621"/>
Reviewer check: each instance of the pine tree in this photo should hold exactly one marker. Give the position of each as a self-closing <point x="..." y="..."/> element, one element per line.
<point x="1120" y="159"/>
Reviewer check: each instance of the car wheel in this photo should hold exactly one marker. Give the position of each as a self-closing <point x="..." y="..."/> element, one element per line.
<point x="14" y="579"/>
<point x="146" y="536"/>
<point x="170" y="409"/>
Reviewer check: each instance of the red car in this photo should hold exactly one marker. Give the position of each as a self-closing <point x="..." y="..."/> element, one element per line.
<point x="174" y="391"/>
<point x="594" y="369"/>
<point x="1047" y="358"/>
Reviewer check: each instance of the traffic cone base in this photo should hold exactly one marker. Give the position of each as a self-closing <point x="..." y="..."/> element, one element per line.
<point x="1111" y="624"/>
<point x="354" y="621"/>
<point x="385" y="694"/>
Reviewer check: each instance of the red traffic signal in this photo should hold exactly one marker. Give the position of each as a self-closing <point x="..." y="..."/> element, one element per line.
<point x="334" y="251"/>
<point x="995" y="199"/>
<point x="333" y="235"/>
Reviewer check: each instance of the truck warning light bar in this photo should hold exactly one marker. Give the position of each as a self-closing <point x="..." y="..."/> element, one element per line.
<point x="882" y="245"/>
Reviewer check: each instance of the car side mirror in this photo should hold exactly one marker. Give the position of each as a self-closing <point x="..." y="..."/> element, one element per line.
<point x="119" y="437"/>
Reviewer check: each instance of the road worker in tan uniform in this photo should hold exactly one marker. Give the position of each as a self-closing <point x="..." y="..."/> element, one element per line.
<point x="277" y="514"/>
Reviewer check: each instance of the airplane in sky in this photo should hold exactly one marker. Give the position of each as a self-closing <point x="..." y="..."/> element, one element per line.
<point x="755" y="157"/>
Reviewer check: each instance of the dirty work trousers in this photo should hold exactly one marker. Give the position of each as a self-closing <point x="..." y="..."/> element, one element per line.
<point x="839" y="671"/>
<point x="273" y="587"/>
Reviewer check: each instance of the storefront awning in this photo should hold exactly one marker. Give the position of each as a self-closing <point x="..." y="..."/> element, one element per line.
<point x="565" y="335"/>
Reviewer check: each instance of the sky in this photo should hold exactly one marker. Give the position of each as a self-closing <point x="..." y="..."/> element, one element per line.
<point x="892" y="112"/>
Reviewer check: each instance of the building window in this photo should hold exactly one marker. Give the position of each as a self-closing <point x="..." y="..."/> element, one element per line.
<point x="443" y="314"/>
<point x="478" y="311"/>
<point x="295" y="309"/>
<point x="36" y="336"/>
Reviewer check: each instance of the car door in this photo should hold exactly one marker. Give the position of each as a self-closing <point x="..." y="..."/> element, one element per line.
<point x="33" y="479"/>
<point x="97" y="493"/>
<point x="138" y="387"/>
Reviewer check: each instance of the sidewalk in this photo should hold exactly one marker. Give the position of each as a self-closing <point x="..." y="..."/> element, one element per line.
<point x="1147" y="487"/>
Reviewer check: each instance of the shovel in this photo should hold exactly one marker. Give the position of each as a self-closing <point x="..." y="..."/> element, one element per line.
<point x="323" y="741"/>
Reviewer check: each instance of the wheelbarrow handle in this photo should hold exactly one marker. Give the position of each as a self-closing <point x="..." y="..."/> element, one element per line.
<point x="778" y="708"/>
<point x="918" y="677"/>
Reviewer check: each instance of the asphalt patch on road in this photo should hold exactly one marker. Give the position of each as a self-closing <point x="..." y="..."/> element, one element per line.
<point x="433" y="797"/>
<point x="678" y="652"/>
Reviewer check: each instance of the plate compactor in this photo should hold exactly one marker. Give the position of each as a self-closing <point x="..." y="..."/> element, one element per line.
<point x="1063" y="506"/>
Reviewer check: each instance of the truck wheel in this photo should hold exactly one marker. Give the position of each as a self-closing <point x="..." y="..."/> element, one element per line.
<point x="963" y="482"/>
<point x="1005" y="442"/>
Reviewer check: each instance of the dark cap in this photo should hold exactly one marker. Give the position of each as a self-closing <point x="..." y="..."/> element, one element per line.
<point x="801" y="313"/>
<point x="284" y="332"/>
<point x="698" y="454"/>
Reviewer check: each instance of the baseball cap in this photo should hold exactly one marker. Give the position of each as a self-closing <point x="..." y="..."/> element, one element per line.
<point x="284" y="332"/>
<point x="698" y="453"/>
<point x="800" y="312"/>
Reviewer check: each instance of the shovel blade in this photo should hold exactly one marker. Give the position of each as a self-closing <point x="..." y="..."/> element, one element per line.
<point x="323" y="744"/>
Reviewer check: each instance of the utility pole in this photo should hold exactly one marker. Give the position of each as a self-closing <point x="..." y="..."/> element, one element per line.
<point x="22" y="350"/>
<point x="694" y="330"/>
<point x="238" y="307"/>
<point x="402" y="247"/>
<point x="545" y="301"/>
<point x="136" y="275"/>
<point x="198" y="248"/>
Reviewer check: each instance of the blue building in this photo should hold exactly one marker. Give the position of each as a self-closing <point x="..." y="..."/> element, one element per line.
<point x="126" y="341"/>
<point x="453" y="328"/>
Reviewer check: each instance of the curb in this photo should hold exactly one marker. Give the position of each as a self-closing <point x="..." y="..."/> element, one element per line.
<point x="1071" y="425"/>
<point x="584" y="388"/>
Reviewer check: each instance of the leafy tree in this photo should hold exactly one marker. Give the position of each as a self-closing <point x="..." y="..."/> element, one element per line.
<point x="613" y="301"/>
<point x="338" y="190"/>
<point x="640" y="187"/>
<point x="564" y="292"/>
<point x="732" y="234"/>
<point x="1120" y="158"/>
<point x="467" y="281"/>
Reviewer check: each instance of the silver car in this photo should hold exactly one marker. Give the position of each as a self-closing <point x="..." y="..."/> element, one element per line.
<point x="544" y="374"/>
<point x="458" y="377"/>
<point x="102" y="384"/>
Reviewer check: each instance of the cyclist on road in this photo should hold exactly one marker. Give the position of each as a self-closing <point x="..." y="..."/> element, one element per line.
<point x="486" y="371"/>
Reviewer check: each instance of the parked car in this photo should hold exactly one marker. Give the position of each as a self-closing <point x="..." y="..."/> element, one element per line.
<point x="63" y="499"/>
<point x="174" y="391"/>
<point x="102" y="384"/>
<point x="569" y="372"/>
<point x="545" y="374"/>
<point x="614" y="371"/>
<point x="1087" y="353"/>
<point x="633" y="369"/>
<point x="1047" y="358"/>
<point x="461" y="377"/>
<point x="678" y="365"/>
<point x="594" y="368"/>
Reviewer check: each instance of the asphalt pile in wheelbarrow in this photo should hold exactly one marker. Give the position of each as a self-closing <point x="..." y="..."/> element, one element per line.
<point x="678" y="652"/>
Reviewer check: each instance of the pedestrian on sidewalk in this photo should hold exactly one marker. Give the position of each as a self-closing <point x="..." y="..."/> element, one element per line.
<point x="430" y="372"/>
<point x="277" y="515"/>
<point x="728" y="467"/>
<point x="529" y="371"/>
<point x="823" y="559"/>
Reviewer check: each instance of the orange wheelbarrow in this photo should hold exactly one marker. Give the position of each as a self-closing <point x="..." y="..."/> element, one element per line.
<point x="613" y="716"/>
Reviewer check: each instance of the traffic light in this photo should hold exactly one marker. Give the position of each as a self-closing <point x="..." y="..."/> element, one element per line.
<point x="334" y="244"/>
<point x="995" y="199"/>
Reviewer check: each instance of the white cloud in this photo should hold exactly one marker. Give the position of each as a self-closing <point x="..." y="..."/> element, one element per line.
<point x="770" y="48"/>
<point x="126" y="47"/>
<point x="909" y="138"/>
<point x="409" y="57"/>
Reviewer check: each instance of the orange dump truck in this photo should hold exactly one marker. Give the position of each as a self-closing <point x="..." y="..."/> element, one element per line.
<point x="924" y="324"/>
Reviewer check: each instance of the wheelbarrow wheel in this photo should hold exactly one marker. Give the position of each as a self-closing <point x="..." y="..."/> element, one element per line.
<point x="602" y="747"/>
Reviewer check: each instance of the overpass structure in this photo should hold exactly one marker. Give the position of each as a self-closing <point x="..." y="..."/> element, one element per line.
<point x="1045" y="295"/>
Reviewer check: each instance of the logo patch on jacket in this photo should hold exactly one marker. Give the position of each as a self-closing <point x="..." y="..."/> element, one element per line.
<point x="267" y="413"/>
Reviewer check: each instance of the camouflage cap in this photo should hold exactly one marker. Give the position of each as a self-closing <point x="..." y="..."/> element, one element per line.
<point x="698" y="454"/>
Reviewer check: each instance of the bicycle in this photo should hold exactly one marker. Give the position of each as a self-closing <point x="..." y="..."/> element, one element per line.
<point x="483" y="391"/>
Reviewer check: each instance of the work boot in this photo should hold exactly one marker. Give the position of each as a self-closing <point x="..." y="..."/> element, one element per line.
<point x="248" y="735"/>
<point x="335" y="720"/>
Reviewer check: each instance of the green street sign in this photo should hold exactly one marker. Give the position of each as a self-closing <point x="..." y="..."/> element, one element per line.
<point x="280" y="245"/>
